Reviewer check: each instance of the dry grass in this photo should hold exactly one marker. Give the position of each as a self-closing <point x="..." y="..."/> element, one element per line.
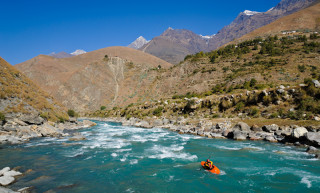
<point x="14" y="85"/>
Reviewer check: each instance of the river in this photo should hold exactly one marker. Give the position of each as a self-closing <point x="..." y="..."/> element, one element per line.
<point x="116" y="158"/>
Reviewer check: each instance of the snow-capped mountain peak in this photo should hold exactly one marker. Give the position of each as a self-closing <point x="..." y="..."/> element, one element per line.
<point x="249" y="13"/>
<point x="138" y="43"/>
<point x="78" y="52"/>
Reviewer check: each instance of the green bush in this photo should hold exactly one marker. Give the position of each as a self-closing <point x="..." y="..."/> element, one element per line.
<point x="254" y="112"/>
<point x="274" y="115"/>
<point x="45" y="115"/>
<point x="158" y="111"/>
<point x="2" y="117"/>
<point x="71" y="113"/>
<point x="302" y="68"/>
<point x="267" y="100"/>
<point x="239" y="106"/>
<point x="61" y="119"/>
<point x="253" y="82"/>
<point x="103" y="108"/>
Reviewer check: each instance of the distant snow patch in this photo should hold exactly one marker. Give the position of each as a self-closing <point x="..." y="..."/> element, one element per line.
<point x="272" y="8"/>
<point x="207" y="37"/>
<point x="78" y="52"/>
<point x="249" y="13"/>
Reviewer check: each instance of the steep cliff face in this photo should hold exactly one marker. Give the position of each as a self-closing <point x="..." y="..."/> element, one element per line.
<point x="109" y="76"/>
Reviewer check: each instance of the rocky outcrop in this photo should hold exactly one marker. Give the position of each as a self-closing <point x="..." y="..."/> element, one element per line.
<point x="299" y="132"/>
<point x="15" y="131"/>
<point x="7" y="176"/>
<point x="313" y="138"/>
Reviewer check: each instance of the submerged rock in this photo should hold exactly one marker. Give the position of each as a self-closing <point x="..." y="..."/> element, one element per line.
<point x="87" y="123"/>
<point x="77" y="137"/>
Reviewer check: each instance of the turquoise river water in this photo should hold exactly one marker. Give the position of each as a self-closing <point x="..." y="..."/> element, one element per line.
<point x="117" y="158"/>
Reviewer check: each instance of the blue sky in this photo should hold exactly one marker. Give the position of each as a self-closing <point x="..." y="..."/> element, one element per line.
<point x="30" y="28"/>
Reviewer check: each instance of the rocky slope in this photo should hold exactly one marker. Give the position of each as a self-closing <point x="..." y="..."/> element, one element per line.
<point x="306" y="19"/>
<point x="174" y="45"/>
<point x="245" y="23"/>
<point x="26" y="111"/>
<point x="21" y="98"/>
<point x="106" y="77"/>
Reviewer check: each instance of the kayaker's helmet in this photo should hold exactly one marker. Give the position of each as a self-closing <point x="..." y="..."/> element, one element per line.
<point x="208" y="160"/>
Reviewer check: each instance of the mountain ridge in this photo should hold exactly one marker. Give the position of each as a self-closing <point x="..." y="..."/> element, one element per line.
<point x="173" y="47"/>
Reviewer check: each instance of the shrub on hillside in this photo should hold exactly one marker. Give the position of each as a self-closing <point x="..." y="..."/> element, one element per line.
<point x="103" y="108"/>
<point x="158" y="111"/>
<point x="71" y="113"/>
<point x="2" y="117"/>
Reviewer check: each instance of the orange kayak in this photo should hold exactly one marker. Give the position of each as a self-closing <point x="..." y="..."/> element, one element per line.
<point x="214" y="170"/>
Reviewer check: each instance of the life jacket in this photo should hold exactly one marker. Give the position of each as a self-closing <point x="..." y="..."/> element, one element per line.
<point x="207" y="164"/>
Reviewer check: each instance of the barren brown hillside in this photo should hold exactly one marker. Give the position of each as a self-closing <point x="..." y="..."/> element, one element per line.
<point x="107" y="76"/>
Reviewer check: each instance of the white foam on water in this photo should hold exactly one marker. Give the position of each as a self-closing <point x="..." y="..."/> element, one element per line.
<point x="134" y="161"/>
<point x="222" y="173"/>
<point x="114" y="155"/>
<point x="270" y="173"/>
<point x="123" y="150"/>
<point x="90" y="157"/>
<point x="74" y="153"/>
<point x="138" y="138"/>
<point x="177" y="166"/>
<point x="130" y="190"/>
<point x="171" y="178"/>
<point x="305" y="180"/>
<point x="155" y="174"/>
<point x="172" y="152"/>
<point x="227" y="148"/>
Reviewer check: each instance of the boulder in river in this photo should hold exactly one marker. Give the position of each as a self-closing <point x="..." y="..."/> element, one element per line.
<point x="7" y="176"/>
<point x="313" y="138"/>
<point x="87" y="123"/>
<point x="77" y="137"/>
<point x="238" y="135"/>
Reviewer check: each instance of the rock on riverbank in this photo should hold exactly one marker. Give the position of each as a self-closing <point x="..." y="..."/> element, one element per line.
<point x="17" y="131"/>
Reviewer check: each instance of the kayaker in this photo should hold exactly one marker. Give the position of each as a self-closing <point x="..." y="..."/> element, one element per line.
<point x="209" y="164"/>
